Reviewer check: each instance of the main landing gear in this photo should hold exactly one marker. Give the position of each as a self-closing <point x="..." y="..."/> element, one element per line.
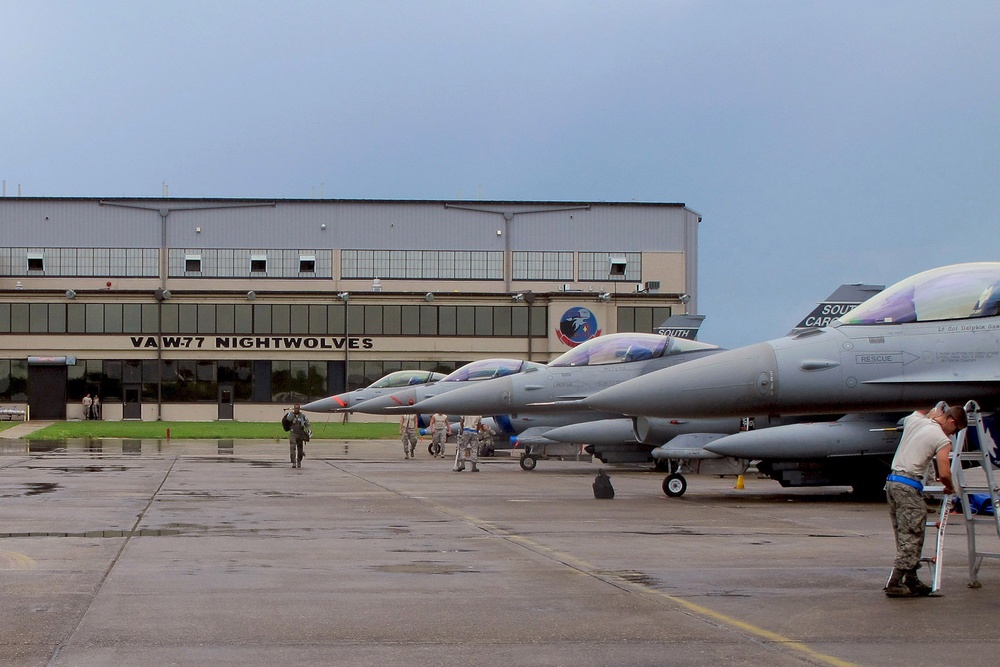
<point x="675" y="485"/>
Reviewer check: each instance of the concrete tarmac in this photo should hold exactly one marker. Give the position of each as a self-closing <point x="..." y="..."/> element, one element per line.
<point x="204" y="553"/>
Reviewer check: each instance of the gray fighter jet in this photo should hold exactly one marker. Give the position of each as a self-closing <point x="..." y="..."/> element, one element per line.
<point x="598" y="363"/>
<point x="399" y="399"/>
<point x="934" y="336"/>
<point x="391" y="382"/>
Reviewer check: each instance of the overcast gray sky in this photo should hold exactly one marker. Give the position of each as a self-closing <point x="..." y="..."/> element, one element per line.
<point x="822" y="142"/>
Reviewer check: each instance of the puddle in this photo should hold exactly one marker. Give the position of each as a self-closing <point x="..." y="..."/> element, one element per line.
<point x="633" y="576"/>
<point x="424" y="568"/>
<point x="82" y="469"/>
<point x="38" y="488"/>
<point x="145" y="532"/>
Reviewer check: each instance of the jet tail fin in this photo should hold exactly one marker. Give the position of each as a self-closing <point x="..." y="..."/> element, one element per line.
<point x="681" y="326"/>
<point x="842" y="301"/>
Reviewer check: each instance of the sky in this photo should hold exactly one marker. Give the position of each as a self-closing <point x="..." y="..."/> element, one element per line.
<point x="822" y="142"/>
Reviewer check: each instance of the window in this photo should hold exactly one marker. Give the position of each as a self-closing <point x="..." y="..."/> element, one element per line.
<point x="36" y="262"/>
<point x="258" y="263"/>
<point x="542" y="265"/>
<point x="192" y="263"/>
<point x="610" y="266"/>
<point x="307" y="263"/>
<point x="423" y="264"/>
<point x="642" y="319"/>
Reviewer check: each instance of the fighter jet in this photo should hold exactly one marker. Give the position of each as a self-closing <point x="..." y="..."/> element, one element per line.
<point x="934" y="336"/>
<point x="393" y="381"/>
<point x="598" y="363"/>
<point x="397" y="400"/>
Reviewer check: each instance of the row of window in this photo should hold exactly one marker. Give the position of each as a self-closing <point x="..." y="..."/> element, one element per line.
<point x="298" y="319"/>
<point x="365" y="264"/>
<point x="198" y="381"/>
<point x="233" y="263"/>
<point x="117" y="262"/>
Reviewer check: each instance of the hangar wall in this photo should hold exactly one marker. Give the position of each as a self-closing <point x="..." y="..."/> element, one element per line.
<point x="231" y="308"/>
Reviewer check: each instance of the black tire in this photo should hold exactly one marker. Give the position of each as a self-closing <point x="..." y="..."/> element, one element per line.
<point x="675" y="485"/>
<point x="430" y="449"/>
<point x="528" y="462"/>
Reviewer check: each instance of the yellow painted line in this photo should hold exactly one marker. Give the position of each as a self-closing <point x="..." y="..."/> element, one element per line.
<point x="697" y="609"/>
<point x="11" y="560"/>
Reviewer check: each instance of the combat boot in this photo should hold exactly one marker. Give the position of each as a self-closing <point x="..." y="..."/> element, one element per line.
<point x="474" y="468"/>
<point x="896" y="588"/>
<point x="915" y="585"/>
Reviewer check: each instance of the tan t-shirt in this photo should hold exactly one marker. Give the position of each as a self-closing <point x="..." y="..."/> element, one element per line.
<point x="922" y="440"/>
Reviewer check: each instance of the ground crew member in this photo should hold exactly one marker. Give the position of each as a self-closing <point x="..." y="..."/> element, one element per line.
<point x="468" y="439"/>
<point x="925" y="439"/>
<point x="298" y="433"/>
<point x="440" y="430"/>
<point x="408" y="434"/>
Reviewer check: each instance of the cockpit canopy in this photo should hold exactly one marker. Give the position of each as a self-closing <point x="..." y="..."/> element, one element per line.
<point x="489" y="368"/>
<point x="956" y="292"/>
<point x="625" y="347"/>
<point x="406" y="379"/>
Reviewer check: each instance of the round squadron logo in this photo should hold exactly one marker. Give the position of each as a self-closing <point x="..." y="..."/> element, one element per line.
<point x="577" y="325"/>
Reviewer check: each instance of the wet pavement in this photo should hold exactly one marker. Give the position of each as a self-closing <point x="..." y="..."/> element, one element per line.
<point x="122" y="552"/>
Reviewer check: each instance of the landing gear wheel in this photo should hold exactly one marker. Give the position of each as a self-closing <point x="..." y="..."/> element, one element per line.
<point x="675" y="485"/>
<point x="528" y="462"/>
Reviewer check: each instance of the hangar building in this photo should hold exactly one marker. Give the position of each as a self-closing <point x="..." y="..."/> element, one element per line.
<point x="210" y="309"/>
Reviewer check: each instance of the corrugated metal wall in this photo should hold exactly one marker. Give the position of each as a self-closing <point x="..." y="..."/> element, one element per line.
<point x="423" y="225"/>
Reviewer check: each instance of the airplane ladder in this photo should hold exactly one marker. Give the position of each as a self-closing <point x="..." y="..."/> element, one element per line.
<point x="980" y="452"/>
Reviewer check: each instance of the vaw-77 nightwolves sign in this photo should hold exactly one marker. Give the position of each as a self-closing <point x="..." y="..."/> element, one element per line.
<point x="254" y="342"/>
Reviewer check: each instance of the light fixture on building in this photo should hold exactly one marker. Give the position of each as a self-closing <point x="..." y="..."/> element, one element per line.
<point x="429" y="296"/>
<point x="161" y="294"/>
<point x="251" y="295"/>
<point x="376" y="285"/>
<point x="70" y="294"/>
<point x="518" y="297"/>
<point x="18" y="285"/>
<point x="343" y="296"/>
<point x="684" y="298"/>
<point x="604" y="296"/>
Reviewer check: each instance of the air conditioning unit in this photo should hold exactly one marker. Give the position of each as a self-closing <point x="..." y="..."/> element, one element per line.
<point x="652" y="285"/>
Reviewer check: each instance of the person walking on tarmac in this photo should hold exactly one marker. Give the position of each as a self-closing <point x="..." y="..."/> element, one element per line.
<point x="299" y="432"/>
<point x="925" y="439"/>
<point x="408" y="434"/>
<point x="440" y="430"/>
<point x="468" y="441"/>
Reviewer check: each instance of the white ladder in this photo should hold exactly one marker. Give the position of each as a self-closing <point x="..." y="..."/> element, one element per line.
<point x="975" y="444"/>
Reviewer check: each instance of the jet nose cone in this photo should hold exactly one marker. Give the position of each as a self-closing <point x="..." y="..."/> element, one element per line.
<point x="336" y="403"/>
<point x="489" y="397"/>
<point x="732" y="383"/>
<point x="384" y="405"/>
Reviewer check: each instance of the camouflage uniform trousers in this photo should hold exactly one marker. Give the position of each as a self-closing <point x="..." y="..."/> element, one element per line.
<point x="908" y="512"/>
<point x="438" y="438"/>
<point x="467" y="440"/>
<point x="409" y="438"/>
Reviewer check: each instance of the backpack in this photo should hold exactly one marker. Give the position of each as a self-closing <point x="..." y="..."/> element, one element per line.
<point x="602" y="486"/>
<point x="286" y="423"/>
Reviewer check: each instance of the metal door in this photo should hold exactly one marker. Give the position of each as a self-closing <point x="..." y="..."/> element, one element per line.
<point x="133" y="403"/>
<point x="225" y="401"/>
<point x="47" y="391"/>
